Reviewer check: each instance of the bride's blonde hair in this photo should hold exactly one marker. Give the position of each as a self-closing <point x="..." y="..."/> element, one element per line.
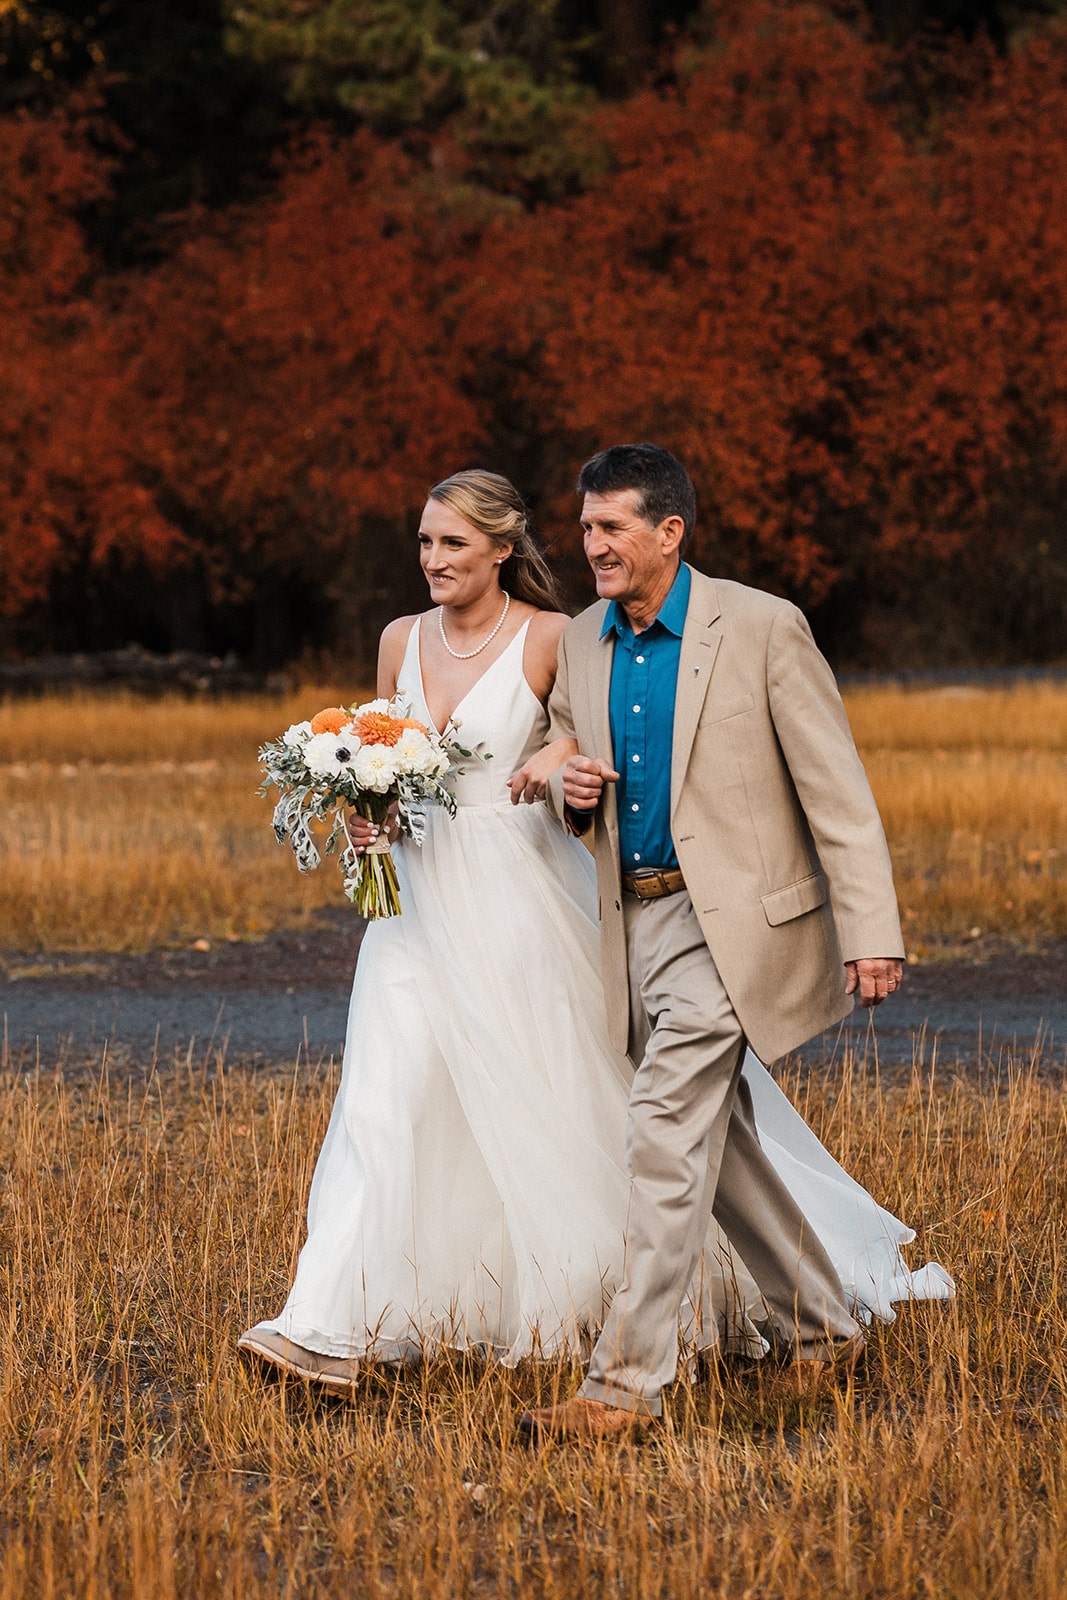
<point x="496" y="508"/>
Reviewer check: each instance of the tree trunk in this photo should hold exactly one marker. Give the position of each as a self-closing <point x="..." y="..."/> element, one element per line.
<point x="629" y="32"/>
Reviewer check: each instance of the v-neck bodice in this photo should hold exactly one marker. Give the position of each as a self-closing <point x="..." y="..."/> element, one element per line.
<point x="499" y="716"/>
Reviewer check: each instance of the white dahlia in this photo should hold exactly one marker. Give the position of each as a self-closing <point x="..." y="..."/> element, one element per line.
<point x="374" y="767"/>
<point x="414" y="753"/>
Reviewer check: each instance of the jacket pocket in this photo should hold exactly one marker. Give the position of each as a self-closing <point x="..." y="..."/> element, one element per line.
<point x="715" y="712"/>
<point x="782" y="905"/>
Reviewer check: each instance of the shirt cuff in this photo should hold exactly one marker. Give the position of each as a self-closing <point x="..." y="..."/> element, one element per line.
<point x="578" y="822"/>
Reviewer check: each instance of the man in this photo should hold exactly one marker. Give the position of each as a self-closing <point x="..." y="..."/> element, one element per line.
<point x="746" y="894"/>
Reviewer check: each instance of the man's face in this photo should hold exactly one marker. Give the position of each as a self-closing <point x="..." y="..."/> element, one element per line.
<point x="632" y="561"/>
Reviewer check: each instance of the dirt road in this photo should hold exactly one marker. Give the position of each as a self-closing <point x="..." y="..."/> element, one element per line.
<point x="289" y="994"/>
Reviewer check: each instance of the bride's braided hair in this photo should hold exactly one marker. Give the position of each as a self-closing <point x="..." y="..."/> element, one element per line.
<point x="495" y="507"/>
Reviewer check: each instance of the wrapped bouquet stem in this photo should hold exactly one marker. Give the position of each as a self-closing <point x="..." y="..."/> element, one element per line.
<point x="370" y="875"/>
<point x="372" y="759"/>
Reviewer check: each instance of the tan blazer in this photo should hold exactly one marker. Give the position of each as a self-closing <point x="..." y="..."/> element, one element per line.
<point x="772" y="817"/>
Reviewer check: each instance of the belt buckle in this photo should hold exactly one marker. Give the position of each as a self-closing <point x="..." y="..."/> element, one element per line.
<point x="648" y="884"/>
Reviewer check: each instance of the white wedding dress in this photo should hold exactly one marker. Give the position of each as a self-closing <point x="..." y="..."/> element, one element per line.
<point x="471" y="1190"/>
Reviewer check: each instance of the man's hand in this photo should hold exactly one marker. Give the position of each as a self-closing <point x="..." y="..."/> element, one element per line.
<point x="875" y="978"/>
<point x="584" y="780"/>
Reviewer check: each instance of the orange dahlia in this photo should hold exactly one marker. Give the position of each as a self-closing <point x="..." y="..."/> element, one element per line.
<point x="412" y="722"/>
<point x="332" y="720"/>
<point x="376" y="727"/>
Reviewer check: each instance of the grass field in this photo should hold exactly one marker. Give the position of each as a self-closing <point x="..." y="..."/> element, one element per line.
<point x="145" y="1221"/>
<point x="129" y="824"/>
<point x="147" y="1216"/>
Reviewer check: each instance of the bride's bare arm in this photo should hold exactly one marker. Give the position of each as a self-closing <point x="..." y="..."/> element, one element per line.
<point x="390" y="657"/>
<point x="530" y="783"/>
<point x="394" y="642"/>
<point x="542" y="651"/>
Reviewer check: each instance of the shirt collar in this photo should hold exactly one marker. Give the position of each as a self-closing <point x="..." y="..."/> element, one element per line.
<point x="671" y="614"/>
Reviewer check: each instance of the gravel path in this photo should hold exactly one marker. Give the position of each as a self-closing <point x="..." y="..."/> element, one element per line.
<point x="288" y="995"/>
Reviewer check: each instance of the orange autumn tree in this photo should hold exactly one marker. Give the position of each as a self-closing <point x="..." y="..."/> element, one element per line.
<point x="1002" y="200"/>
<point x="291" y="382"/>
<point x="780" y="286"/>
<point x="850" y="326"/>
<point x="68" y="500"/>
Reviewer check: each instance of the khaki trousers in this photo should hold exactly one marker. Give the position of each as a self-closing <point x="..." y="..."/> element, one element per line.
<point x="692" y="1148"/>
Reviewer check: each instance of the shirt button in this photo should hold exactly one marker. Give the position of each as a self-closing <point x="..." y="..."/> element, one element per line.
<point x="636" y="856"/>
<point x="637" y="708"/>
<point x="635" y="808"/>
<point x="635" y="758"/>
<point x="640" y="660"/>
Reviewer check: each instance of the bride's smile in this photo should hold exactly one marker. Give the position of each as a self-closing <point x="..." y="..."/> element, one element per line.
<point x="462" y="566"/>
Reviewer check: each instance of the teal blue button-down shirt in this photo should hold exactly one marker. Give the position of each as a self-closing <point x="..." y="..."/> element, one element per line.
<point x="644" y="678"/>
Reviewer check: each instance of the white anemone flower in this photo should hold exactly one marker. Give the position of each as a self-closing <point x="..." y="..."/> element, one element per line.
<point x="374" y="767"/>
<point x="296" y="735"/>
<point x="330" y="755"/>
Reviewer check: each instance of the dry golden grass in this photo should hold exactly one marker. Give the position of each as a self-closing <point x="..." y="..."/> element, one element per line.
<point x="979" y="841"/>
<point x="144" y="1222"/>
<point x="972" y="787"/>
<point x="129" y="730"/>
<point x="106" y="858"/>
<point x="130" y="823"/>
<point x="1030" y="717"/>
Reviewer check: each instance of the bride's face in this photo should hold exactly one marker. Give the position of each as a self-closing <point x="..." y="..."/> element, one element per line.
<point x="459" y="561"/>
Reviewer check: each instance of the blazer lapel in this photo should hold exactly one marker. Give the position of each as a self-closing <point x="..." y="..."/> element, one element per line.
<point x="701" y="639"/>
<point x="599" y="683"/>
<point x="600" y="695"/>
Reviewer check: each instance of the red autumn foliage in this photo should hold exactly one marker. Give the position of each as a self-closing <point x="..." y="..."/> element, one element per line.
<point x="854" y="335"/>
<point x="822" y="320"/>
<point x="67" y="495"/>
<point x="290" y="382"/>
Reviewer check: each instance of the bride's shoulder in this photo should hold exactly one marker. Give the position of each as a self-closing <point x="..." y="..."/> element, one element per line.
<point x="400" y="628"/>
<point x="394" y="641"/>
<point x="542" y="649"/>
<point x="546" y="627"/>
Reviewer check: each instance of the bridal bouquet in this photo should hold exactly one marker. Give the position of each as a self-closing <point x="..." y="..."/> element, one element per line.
<point x="368" y="759"/>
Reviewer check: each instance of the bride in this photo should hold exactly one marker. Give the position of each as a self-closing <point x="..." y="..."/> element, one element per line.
<point x="471" y="1190"/>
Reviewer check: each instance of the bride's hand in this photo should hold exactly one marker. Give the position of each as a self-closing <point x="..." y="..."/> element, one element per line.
<point x="531" y="780"/>
<point x="364" y="833"/>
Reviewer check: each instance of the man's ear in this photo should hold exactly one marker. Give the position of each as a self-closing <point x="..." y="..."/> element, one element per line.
<point x="671" y="532"/>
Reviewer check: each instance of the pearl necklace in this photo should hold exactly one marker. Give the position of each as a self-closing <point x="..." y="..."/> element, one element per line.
<point x="465" y="655"/>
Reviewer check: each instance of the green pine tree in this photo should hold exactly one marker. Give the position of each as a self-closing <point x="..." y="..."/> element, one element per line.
<point x="502" y="79"/>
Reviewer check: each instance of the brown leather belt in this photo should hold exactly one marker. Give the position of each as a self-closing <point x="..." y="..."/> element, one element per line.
<point x="651" y="884"/>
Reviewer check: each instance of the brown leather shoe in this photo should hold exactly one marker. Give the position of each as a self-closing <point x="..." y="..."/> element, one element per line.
<point x="806" y="1377"/>
<point x="337" y="1374"/>
<point x="583" y="1419"/>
